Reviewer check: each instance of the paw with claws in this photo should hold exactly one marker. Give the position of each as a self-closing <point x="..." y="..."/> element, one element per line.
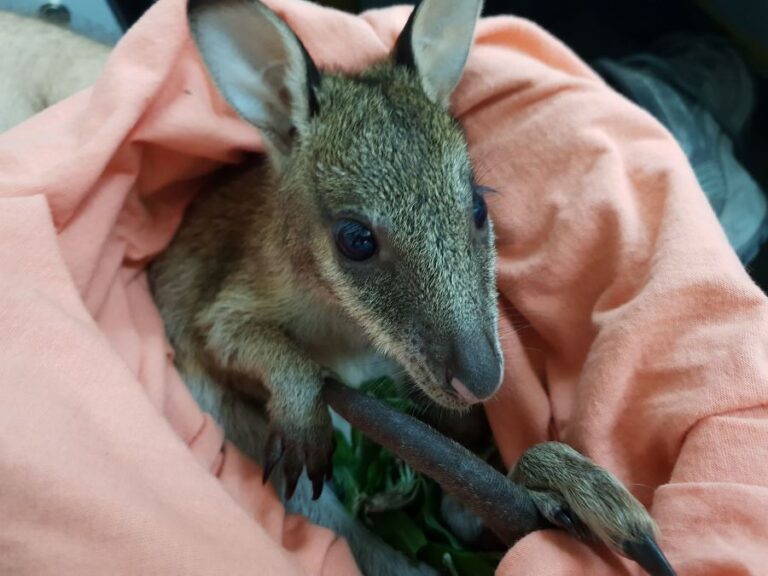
<point x="298" y="442"/>
<point x="590" y="503"/>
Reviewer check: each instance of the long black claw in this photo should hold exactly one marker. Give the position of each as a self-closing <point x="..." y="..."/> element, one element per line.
<point x="564" y="520"/>
<point x="572" y="524"/>
<point x="647" y="553"/>
<point x="329" y="463"/>
<point x="291" y="471"/>
<point x="273" y="452"/>
<point x="317" y="485"/>
<point x="316" y="473"/>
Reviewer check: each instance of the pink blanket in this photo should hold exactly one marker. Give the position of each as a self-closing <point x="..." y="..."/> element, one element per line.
<point x="630" y="329"/>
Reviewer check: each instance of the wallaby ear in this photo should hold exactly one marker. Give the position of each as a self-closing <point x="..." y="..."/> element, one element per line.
<point x="436" y="42"/>
<point x="259" y="65"/>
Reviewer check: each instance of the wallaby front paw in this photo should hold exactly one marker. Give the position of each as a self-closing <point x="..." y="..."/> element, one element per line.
<point x="308" y="443"/>
<point x="589" y="502"/>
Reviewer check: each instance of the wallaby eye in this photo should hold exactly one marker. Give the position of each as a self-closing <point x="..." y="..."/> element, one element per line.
<point x="479" y="211"/>
<point x="354" y="240"/>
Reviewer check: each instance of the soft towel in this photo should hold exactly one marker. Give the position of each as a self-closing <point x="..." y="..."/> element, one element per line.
<point x="630" y="329"/>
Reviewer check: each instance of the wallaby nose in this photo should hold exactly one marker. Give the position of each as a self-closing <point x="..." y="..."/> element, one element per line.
<point x="473" y="369"/>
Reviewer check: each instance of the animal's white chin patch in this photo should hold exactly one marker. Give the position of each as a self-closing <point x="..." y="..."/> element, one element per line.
<point x="357" y="369"/>
<point x="463" y="392"/>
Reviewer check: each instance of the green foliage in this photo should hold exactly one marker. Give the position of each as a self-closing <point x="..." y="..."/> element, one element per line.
<point x="398" y="504"/>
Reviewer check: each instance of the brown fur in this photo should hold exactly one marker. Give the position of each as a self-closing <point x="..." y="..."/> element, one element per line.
<point x="253" y="283"/>
<point x="259" y="304"/>
<point x="556" y="473"/>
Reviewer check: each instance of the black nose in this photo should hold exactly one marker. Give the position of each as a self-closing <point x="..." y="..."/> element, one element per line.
<point x="473" y="368"/>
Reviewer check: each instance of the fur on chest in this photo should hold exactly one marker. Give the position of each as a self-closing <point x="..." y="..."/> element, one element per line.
<point x="337" y="343"/>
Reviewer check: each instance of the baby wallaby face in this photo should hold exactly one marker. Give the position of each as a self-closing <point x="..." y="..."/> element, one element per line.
<point x="376" y="180"/>
<point x="399" y="231"/>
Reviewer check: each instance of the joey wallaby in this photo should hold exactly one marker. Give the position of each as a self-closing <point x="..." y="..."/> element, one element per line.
<point x="359" y="246"/>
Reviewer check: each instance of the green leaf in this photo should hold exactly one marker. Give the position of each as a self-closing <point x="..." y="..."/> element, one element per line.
<point x="400" y="531"/>
<point x="376" y="474"/>
<point x="434" y="523"/>
<point x="448" y="563"/>
<point x="475" y="563"/>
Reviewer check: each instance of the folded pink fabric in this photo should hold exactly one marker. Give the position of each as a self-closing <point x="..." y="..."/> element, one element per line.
<point x="630" y="329"/>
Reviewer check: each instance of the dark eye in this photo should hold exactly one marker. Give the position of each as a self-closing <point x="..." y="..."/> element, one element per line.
<point x="354" y="240"/>
<point x="479" y="210"/>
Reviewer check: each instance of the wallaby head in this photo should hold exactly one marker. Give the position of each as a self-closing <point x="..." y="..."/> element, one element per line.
<point x="381" y="212"/>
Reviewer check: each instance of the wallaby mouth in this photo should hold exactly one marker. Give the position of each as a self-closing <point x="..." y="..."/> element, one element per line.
<point x="460" y="389"/>
<point x="469" y="374"/>
<point x="473" y="367"/>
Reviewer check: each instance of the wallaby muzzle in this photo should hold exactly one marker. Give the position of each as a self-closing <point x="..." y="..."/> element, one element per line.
<point x="473" y="367"/>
